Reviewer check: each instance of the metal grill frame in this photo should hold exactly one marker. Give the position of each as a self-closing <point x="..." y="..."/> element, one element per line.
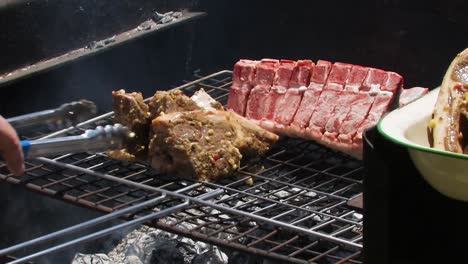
<point x="300" y="196"/>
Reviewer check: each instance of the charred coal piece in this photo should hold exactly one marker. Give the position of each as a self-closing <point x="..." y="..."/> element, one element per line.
<point x="144" y="26"/>
<point x="167" y="19"/>
<point x="109" y="40"/>
<point x="91" y="258"/>
<point x="101" y="44"/>
<point x="164" y="251"/>
<point x="157" y="17"/>
<point x="212" y="256"/>
<point x="177" y="15"/>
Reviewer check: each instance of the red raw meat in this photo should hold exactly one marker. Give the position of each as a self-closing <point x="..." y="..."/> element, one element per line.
<point x="287" y="107"/>
<point x="265" y="72"/>
<point x="329" y="98"/>
<point x="356" y="78"/>
<point x="284" y="73"/>
<point x="373" y="81"/>
<point x="257" y="101"/>
<point x="338" y="76"/>
<point x="345" y="101"/>
<point x="242" y="82"/>
<point x="411" y="94"/>
<point x="257" y="105"/>
<point x="280" y="84"/>
<point x="285" y="111"/>
<point x="301" y="74"/>
<point x="244" y="72"/>
<point x="321" y="71"/>
<point x="355" y="117"/>
<point x="237" y="99"/>
<point x="323" y="108"/>
<point x="305" y="110"/>
<point x="329" y="103"/>
<point x="379" y="107"/>
<point x="393" y="83"/>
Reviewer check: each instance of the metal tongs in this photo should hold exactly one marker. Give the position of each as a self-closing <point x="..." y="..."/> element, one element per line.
<point x="100" y="139"/>
<point x="66" y="115"/>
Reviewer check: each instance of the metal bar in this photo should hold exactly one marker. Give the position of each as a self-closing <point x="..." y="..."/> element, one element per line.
<point x="101" y="233"/>
<point x="110" y="230"/>
<point x="89" y="223"/>
<point x="288" y="205"/>
<point x="206" y="203"/>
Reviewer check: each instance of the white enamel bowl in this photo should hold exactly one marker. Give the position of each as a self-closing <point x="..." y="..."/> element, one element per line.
<point x="445" y="171"/>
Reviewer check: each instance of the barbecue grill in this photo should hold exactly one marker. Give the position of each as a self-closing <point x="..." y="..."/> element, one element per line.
<point x="302" y="203"/>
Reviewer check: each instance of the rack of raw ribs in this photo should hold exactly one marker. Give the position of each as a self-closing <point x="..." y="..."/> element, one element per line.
<point x="330" y="103"/>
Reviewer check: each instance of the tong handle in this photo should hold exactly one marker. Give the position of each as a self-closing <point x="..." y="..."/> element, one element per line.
<point x="95" y="140"/>
<point x="25" y="145"/>
<point x="68" y="113"/>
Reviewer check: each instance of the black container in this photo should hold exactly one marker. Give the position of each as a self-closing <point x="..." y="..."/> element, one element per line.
<point x="406" y="220"/>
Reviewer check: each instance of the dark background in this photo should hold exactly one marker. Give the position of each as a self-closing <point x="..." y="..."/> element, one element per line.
<point x="417" y="39"/>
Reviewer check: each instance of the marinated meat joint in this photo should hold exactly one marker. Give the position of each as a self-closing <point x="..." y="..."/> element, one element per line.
<point x="192" y="137"/>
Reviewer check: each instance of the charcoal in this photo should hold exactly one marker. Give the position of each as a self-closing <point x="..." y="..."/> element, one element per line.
<point x="157" y="17"/>
<point x="109" y="40"/>
<point x="166" y="252"/>
<point x="133" y="260"/>
<point x="95" y="45"/>
<point x="91" y="259"/>
<point x="100" y="44"/>
<point x="170" y="13"/>
<point x="144" y="26"/>
<point x="166" y="19"/>
<point x="212" y="256"/>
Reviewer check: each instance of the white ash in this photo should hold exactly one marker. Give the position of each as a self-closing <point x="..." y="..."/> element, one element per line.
<point x="101" y="43"/>
<point x="166" y="17"/>
<point x="357" y="217"/>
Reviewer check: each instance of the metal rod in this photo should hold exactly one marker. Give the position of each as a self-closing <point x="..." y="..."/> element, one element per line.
<point x="289" y="205"/>
<point x="207" y="203"/>
<point x="110" y="230"/>
<point x="89" y="223"/>
<point x="101" y="233"/>
<point x="32" y="118"/>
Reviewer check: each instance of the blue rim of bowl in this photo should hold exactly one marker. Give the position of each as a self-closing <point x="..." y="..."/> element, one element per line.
<point x="418" y="147"/>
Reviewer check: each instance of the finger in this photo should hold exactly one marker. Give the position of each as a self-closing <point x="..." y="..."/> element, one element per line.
<point x="14" y="159"/>
<point x="10" y="148"/>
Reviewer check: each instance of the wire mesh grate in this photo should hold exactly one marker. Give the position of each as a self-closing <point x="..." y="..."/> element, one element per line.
<point x="292" y="205"/>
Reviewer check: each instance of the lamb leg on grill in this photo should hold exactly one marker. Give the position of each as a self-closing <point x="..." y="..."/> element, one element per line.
<point x="205" y="144"/>
<point x="192" y="137"/>
<point x="132" y="112"/>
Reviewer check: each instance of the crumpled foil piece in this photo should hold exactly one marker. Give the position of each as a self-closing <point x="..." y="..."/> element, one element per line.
<point x="91" y="259"/>
<point x="147" y="245"/>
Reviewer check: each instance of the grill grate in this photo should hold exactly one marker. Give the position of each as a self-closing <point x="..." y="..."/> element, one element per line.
<point x="296" y="210"/>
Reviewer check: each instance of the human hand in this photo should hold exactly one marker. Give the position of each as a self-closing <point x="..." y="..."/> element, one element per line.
<point x="10" y="148"/>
